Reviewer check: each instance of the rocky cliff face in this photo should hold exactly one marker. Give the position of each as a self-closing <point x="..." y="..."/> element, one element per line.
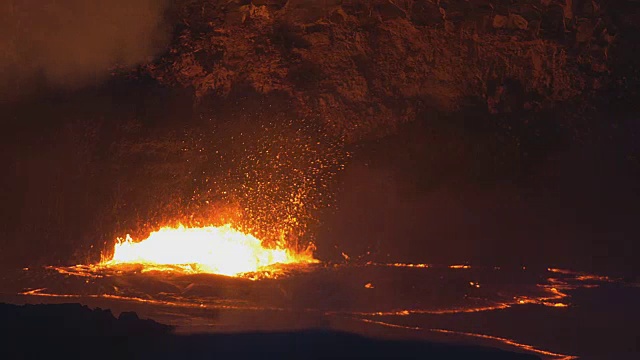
<point x="363" y="67"/>
<point x="510" y="83"/>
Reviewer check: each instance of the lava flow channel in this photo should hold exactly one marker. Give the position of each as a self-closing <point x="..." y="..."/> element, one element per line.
<point x="220" y="250"/>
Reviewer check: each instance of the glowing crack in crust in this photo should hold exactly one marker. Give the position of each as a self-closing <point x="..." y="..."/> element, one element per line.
<point x="548" y="354"/>
<point x="220" y="250"/>
<point x="105" y="279"/>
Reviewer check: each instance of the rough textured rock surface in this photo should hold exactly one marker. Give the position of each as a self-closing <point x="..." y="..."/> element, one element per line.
<point x="363" y="67"/>
<point x="74" y="319"/>
<point x="42" y="331"/>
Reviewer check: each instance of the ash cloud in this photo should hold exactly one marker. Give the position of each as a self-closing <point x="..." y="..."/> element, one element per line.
<point x="71" y="43"/>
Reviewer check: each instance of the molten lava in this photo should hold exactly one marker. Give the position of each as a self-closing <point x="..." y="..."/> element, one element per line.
<point x="219" y="250"/>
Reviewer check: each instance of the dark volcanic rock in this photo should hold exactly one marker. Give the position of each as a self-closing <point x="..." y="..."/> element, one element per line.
<point x="363" y="67"/>
<point x="73" y="320"/>
<point x="39" y="331"/>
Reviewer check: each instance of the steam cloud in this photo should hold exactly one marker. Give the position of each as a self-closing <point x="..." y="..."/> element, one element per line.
<point x="69" y="43"/>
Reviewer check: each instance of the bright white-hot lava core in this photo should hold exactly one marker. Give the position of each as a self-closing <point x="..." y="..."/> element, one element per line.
<point x="213" y="249"/>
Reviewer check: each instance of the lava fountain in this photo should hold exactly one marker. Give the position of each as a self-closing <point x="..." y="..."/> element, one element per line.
<point x="220" y="250"/>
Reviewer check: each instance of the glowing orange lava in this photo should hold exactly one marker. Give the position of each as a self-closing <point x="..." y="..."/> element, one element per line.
<point x="219" y="250"/>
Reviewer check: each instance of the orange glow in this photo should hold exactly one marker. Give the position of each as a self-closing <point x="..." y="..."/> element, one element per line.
<point x="510" y="342"/>
<point x="408" y="265"/>
<point x="220" y="250"/>
<point x="557" y="304"/>
<point x="459" y="267"/>
<point x="505" y="341"/>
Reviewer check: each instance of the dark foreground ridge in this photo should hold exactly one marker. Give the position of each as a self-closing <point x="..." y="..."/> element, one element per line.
<point x="74" y="330"/>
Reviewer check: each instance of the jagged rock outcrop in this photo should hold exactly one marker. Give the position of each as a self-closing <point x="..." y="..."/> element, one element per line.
<point x="74" y="320"/>
<point x="73" y="331"/>
<point x="363" y="66"/>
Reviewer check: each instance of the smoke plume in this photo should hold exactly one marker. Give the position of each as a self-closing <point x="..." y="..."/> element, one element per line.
<point x="70" y="43"/>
